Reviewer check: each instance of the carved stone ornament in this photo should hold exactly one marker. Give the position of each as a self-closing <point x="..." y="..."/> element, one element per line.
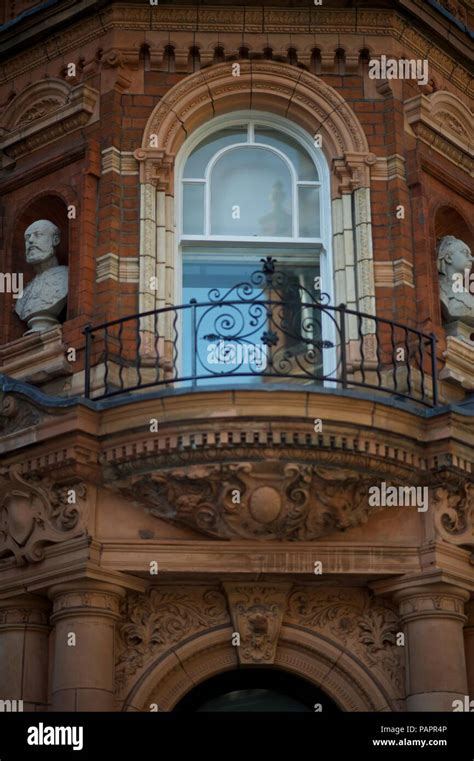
<point x="152" y="623"/>
<point x="454" y="513"/>
<point x="257" y="613"/>
<point x="16" y="415"/>
<point x="262" y="500"/>
<point x="365" y="626"/>
<point x="35" y="513"/>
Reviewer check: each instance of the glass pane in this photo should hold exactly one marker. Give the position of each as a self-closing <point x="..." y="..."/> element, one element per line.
<point x="197" y="162"/>
<point x="193" y="209"/>
<point x="303" y="163"/>
<point x="251" y="194"/>
<point x="229" y="343"/>
<point x="308" y="198"/>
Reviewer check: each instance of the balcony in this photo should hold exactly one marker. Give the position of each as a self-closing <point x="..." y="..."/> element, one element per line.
<point x="268" y="329"/>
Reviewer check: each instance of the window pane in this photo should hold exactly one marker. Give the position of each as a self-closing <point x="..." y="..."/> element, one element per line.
<point x="300" y="159"/>
<point x="251" y="194"/>
<point x="193" y="209"/>
<point x="200" y="157"/>
<point x="309" y="212"/>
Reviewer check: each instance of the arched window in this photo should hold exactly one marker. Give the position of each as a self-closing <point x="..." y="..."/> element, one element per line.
<point x="251" y="187"/>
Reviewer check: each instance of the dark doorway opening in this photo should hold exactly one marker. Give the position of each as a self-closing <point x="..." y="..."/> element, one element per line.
<point x="255" y="690"/>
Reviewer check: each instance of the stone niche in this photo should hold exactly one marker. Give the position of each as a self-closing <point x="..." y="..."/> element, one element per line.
<point x="454" y="254"/>
<point x="34" y="350"/>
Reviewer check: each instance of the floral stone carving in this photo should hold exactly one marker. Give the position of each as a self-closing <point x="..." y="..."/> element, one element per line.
<point x="261" y="500"/>
<point x="35" y="513"/>
<point x="152" y="622"/>
<point x="365" y="626"/>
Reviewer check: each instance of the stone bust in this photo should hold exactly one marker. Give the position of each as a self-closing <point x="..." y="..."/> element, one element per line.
<point x="45" y="296"/>
<point x="454" y="267"/>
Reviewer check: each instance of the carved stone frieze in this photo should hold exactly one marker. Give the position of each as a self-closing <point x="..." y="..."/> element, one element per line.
<point x="365" y="626"/>
<point x="262" y="500"/>
<point x="257" y="613"/>
<point x="153" y="622"/>
<point x="36" y="512"/>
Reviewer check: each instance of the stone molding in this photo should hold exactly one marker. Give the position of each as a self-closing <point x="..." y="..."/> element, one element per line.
<point x="459" y="363"/>
<point x="444" y="123"/>
<point x="379" y="24"/>
<point x="390" y="168"/>
<point x="45" y="111"/>
<point x="36" y="357"/>
<point x="119" y="268"/>
<point x="120" y="162"/>
<point x="36" y="512"/>
<point x="391" y="274"/>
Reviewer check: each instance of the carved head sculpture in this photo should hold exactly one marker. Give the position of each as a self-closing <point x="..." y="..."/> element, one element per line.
<point x="454" y="266"/>
<point x="45" y="296"/>
<point x="41" y="239"/>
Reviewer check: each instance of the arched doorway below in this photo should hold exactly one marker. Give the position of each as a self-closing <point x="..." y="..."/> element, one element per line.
<point x="256" y="690"/>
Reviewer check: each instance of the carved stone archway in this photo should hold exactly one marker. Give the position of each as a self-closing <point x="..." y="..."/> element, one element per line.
<point x="285" y="91"/>
<point x="333" y="669"/>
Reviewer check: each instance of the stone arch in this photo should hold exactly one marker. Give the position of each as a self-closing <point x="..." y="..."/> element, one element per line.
<point x="330" y="667"/>
<point x="276" y="88"/>
<point x="35" y="101"/>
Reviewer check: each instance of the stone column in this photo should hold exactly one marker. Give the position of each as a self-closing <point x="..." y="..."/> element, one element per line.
<point x="24" y="633"/>
<point x="433" y="616"/>
<point x="84" y="616"/>
<point x="469" y="647"/>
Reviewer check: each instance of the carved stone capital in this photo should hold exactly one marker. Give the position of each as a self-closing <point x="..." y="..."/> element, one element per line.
<point x="27" y="611"/>
<point x="86" y="598"/>
<point x="156" y="167"/>
<point x="353" y="171"/>
<point x="261" y="500"/>
<point x="431" y="601"/>
<point x="257" y="614"/>
<point x="36" y="512"/>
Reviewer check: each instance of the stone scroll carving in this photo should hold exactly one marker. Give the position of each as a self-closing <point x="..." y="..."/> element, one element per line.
<point x="454" y="513"/>
<point x="152" y="623"/>
<point x="262" y="500"/>
<point x="45" y="296"/>
<point x="35" y="513"/>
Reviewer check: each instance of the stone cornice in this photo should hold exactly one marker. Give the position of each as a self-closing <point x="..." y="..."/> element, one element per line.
<point x="367" y="21"/>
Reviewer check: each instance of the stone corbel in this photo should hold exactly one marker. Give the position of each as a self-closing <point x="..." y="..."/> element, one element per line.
<point x="353" y="171"/>
<point x="454" y="512"/>
<point x="257" y="614"/>
<point x="156" y="168"/>
<point x="37" y="512"/>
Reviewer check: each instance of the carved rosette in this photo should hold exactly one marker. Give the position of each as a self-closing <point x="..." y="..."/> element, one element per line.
<point x="151" y="623"/>
<point x="263" y="500"/>
<point x="365" y="626"/>
<point x="454" y="512"/>
<point x="36" y="512"/>
<point x="257" y="613"/>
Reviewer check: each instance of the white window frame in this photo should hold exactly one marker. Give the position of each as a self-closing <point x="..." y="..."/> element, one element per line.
<point x="321" y="245"/>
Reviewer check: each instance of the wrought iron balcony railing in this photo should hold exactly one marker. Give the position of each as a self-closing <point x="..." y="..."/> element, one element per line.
<point x="268" y="328"/>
